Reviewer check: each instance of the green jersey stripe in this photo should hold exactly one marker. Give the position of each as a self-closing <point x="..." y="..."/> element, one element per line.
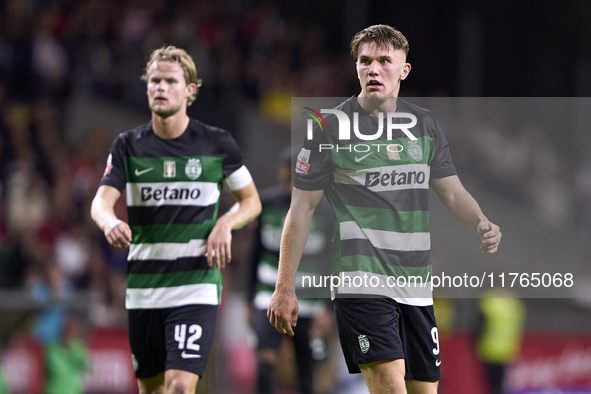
<point x="269" y="259"/>
<point x="265" y="288"/>
<point x="398" y="200"/>
<point x="151" y="169"/>
<point x="170" y="233"/>
<point x="384" y="219"/>
<point x="172" y="193"/>
<point x="386" y="239"/>
<point x="171" y="297"/>
<point x="267" y="275"/>
<point x="172" y="279"/>
<point x="167" y="251"/>
<point x="273" y="216"/>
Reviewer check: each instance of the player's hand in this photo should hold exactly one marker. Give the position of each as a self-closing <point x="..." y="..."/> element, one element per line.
<point x="490" y="234"/>
<point x="118" y="233"/>
<point x="283" y="312"/>
<point x="219" y="244"/>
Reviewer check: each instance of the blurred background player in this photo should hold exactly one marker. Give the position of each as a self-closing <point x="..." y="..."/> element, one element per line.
<point x="315" y="317"/>
<point x="69" y="84"/>
<point x="499" y="333"/>
<point x="173" y="169"/>
<point x="67" y="360"/>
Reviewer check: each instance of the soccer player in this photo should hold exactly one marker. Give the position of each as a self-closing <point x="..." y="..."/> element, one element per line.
<point x="263" y="275"/>
<point x="380" y="201"/>
<point x="173" y="169"/>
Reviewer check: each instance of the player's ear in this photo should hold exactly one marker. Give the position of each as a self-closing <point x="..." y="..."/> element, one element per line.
<point x="190" y="90"/>
<point x="405" y="70"/>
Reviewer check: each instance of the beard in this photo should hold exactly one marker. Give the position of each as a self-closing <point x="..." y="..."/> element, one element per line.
<point x="165" y="112"/>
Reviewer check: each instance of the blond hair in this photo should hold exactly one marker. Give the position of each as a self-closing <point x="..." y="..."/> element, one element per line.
<point x="173" y="54"/>
<point x="383" y="36"/>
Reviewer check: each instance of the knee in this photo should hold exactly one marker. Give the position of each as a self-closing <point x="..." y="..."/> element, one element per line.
<point x="179" y="386"/>
<point x="385" y="383"/>
<point x="385" y="377"/>
<point x="389" y="385"/>
<point x="144" y="390"/>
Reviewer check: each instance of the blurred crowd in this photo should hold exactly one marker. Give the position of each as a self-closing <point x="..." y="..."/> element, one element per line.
<point x="51" y="50"/>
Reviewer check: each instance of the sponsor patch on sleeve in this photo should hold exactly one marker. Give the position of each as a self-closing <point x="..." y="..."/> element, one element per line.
<point x="302" y="164"/>
<point x="109" y="166"/>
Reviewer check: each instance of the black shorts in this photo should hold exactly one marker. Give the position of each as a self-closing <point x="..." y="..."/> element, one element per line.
<point x="270" y="338"/>
<point x="171" y="338"/>
<point x="376" y="329"/>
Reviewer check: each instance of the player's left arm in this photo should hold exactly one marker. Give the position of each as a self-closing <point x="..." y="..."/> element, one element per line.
<point x="463" y="209"/>
<point x="219" y="242"/>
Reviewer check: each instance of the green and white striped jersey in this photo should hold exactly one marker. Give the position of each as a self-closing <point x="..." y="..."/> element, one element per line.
<point x="172" y="191"/>
<point x="380" y="199"/>
<point x="264" y="263"/>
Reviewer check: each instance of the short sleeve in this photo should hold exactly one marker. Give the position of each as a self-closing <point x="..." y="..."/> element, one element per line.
<point x="313" y="168"/>
<point x="441" y="164"/>
<point x="236" y="175"/>
<point x="232" y="156"/>
<point x="114" y="174"/>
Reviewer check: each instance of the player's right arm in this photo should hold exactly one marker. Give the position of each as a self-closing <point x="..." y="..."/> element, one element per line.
<point x="102" y="211"/>
<point x="283" y="309"/>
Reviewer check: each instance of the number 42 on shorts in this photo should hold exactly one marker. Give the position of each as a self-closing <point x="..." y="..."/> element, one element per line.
<point x="195" y="332"/>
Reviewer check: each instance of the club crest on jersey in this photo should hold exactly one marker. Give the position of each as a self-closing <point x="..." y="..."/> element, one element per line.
<point x="363" y="343"/>
<point x="193" y="169"/>
<point x="169" y="168"/>
<point x="414" y="150"/>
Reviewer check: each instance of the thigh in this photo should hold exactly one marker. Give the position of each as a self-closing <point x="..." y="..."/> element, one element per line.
<point x="386" y="376"/>
<point x="368" y="330"/>
<point x="420" y="339"/>
<point x="189" y="334"/>
<point x="268" y="337"/>
<point x="147" y="342"/>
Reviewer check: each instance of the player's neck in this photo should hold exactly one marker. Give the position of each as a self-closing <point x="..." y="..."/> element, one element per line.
<point x="171" y="126"/>
<point x="375" y="106"/>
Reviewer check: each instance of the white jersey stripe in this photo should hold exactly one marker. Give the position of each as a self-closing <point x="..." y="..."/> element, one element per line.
<point x="267" y="274"/>
<point x="238" y="179"/>
<point x="390" y="240"/>
<point x="170" y="297"/>
<point x="172" y="193"/>
<point x="167" y="251"/>
<point x="386" y="178"/>
<point x="361" y="282"/>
